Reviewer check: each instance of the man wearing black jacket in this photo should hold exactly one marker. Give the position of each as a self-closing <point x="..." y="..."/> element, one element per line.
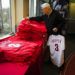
<point x="53" y="20"/>
<point x="55" y="23"/>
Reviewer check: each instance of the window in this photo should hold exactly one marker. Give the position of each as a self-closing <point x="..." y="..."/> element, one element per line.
<point x="5" y="17"/>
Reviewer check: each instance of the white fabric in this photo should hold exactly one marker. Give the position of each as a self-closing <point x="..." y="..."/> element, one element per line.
<point x="45" y="5"/>
<point x="57" y="47"/>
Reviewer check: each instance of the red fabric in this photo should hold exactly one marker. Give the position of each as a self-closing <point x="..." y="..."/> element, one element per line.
<point x="13" y="68"/>
<point x="26" y="45"/>
<point x="29" y="25"/>
<point x="31" y="30"/>
<point x="19" y="50"/>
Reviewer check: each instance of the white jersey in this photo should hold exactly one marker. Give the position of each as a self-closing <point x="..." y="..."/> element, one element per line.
<point x="57" y="45"/>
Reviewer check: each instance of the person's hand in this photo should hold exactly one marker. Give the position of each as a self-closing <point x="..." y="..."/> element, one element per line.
<point x="55" y="29"/>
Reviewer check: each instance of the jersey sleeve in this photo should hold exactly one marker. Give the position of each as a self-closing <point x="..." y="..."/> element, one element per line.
<point x="49" y="40"/>
<point x="63" y="43"/>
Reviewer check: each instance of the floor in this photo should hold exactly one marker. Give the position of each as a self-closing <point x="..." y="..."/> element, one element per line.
<point x="48" y="68"/>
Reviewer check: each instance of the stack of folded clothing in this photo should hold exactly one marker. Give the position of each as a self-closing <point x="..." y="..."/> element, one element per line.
<point x="26" y="43"/>
<point x="31" y="30"/>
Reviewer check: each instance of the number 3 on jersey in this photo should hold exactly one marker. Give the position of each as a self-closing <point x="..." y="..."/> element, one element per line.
<point x="56" y="47"/>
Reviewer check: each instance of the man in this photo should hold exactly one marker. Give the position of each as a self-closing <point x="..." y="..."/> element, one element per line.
<point x="55" y="23"/>
<point x="53" y="20"/>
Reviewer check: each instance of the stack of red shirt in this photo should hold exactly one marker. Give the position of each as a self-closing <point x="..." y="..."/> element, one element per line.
<point x="26" y="44"/>
<point x="31" y="30"/>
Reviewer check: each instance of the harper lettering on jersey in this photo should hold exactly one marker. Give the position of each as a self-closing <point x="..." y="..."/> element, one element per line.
<point x="56" y="40"/>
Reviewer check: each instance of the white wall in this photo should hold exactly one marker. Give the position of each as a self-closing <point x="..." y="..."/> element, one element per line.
<point x="19" y="11"/>
<point x="13" y="15"/>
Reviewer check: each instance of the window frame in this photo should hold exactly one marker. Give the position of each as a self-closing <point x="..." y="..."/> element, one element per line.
<point x="10" y="20"/>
